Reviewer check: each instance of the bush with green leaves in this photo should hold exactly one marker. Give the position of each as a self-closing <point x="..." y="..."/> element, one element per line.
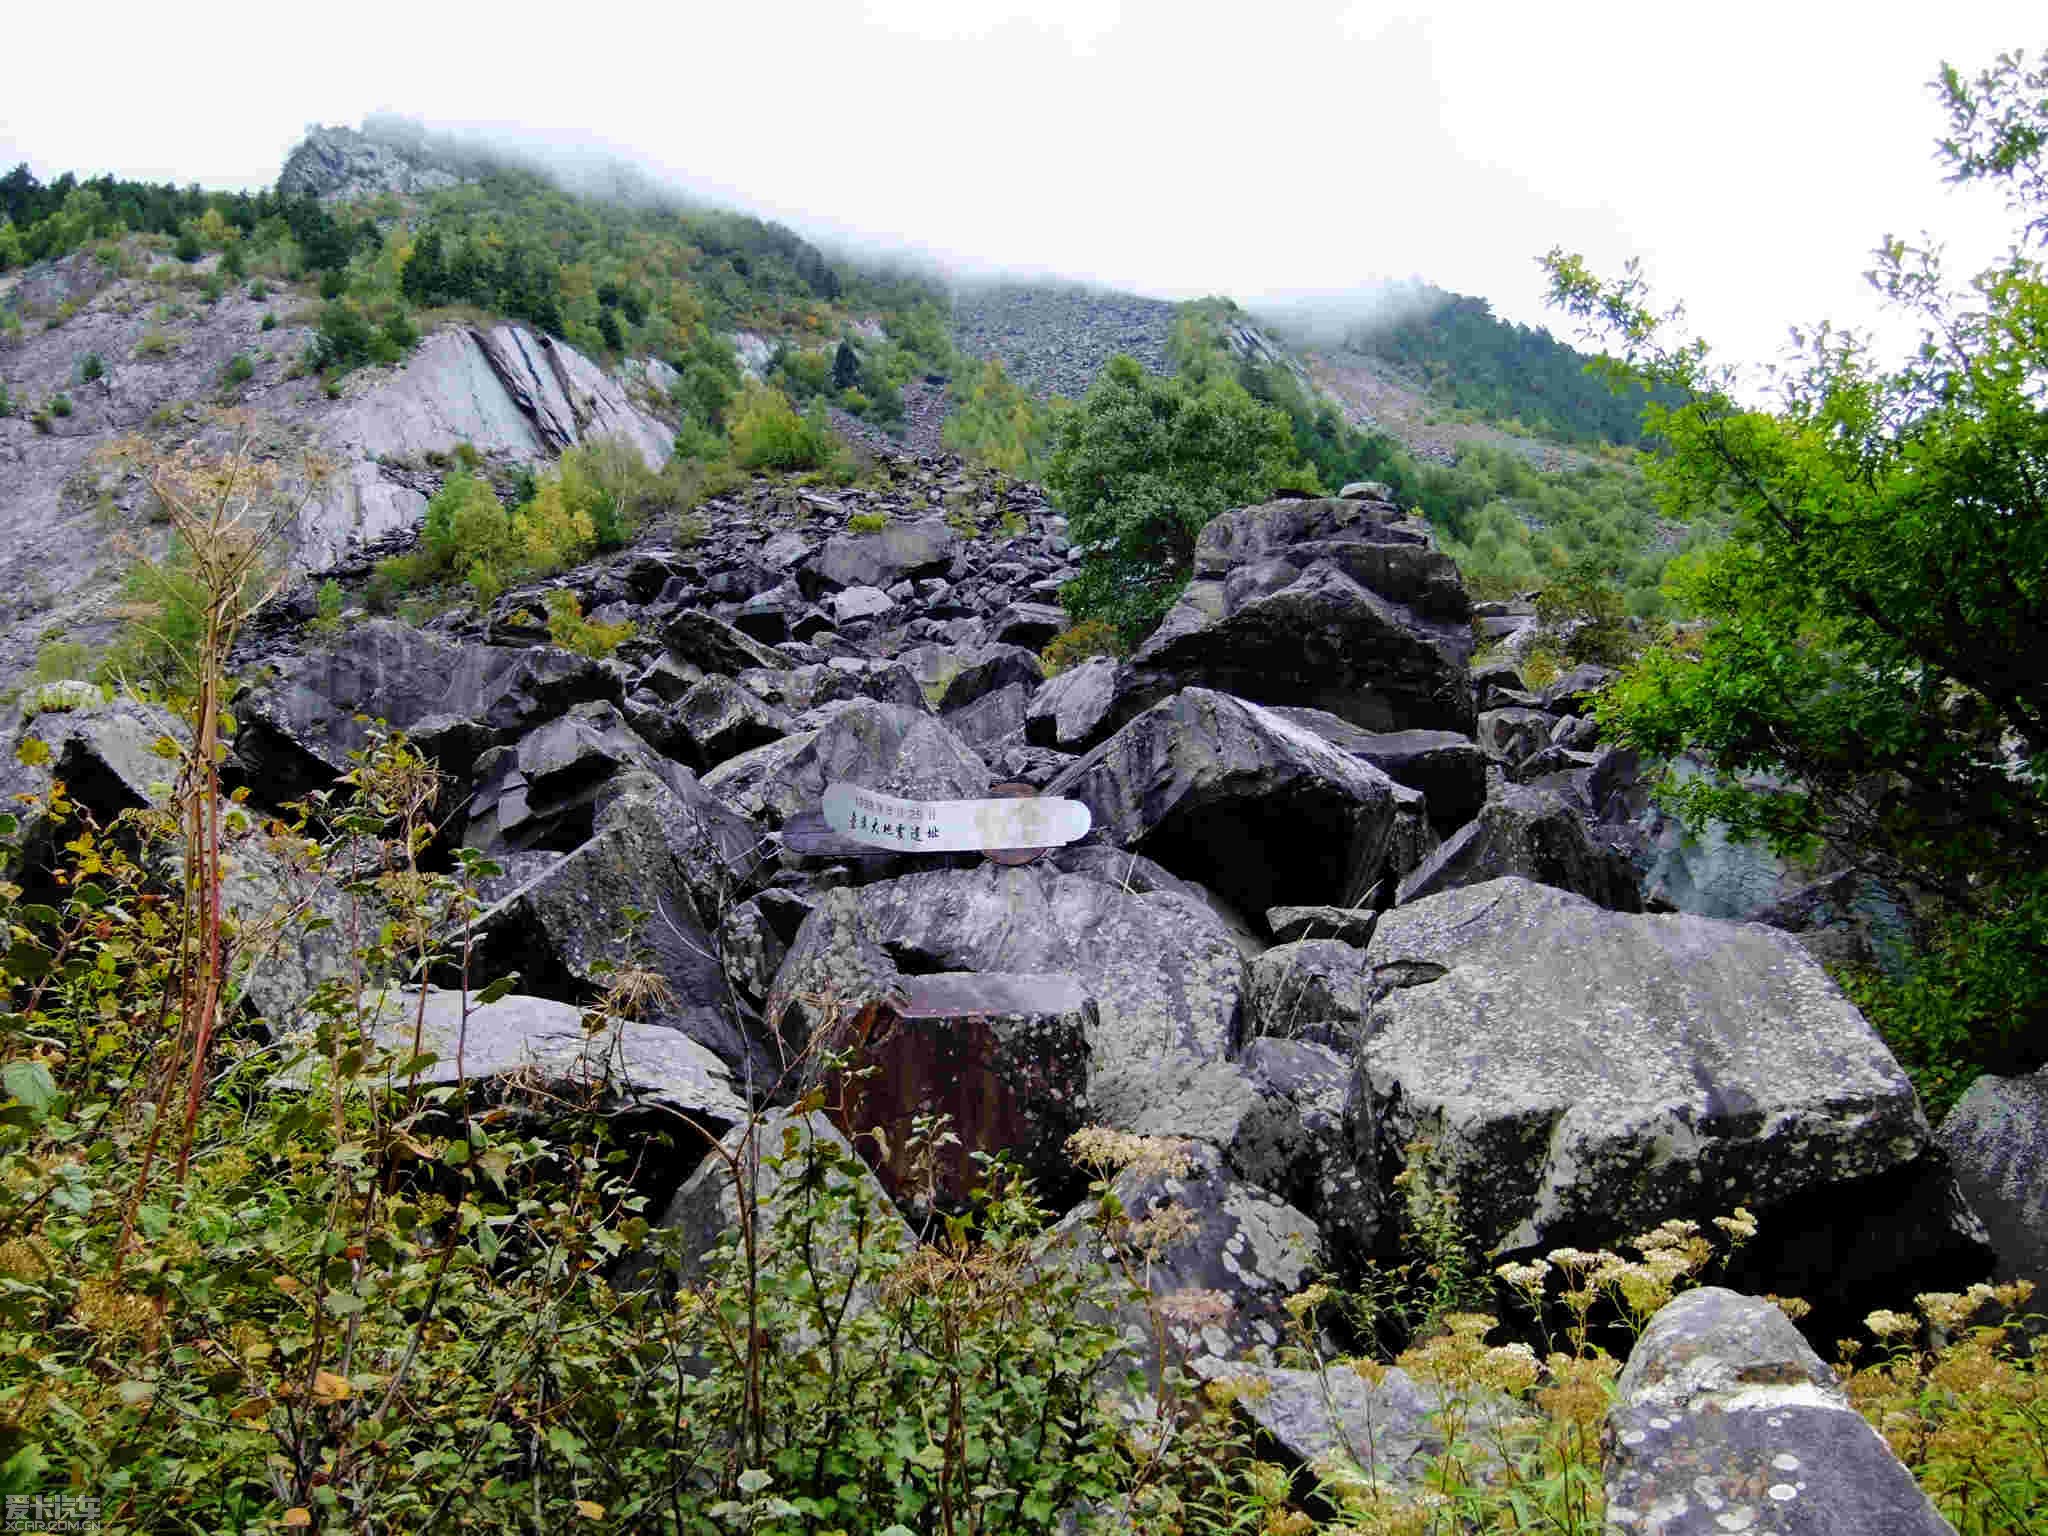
<point x="767" y="433"/>
<point x="568" y="628"/>
<point x="90" y="367"/>
<point x="60" y="405"/>
<point x="239" y="370"/>
<point x="1868" y="675"/>
<point x="1141" y="467"/>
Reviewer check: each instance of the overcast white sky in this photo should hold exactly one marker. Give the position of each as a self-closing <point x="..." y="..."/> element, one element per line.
<point x="1749" y="154"/>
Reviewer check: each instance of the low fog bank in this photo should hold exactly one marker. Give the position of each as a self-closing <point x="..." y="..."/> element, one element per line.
<point x="1331" y="319"/>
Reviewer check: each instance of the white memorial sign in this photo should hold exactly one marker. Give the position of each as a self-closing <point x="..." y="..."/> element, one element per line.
<point x="952" y="826"/>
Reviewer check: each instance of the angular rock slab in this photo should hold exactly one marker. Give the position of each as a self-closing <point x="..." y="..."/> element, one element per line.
<point x="1536" y="835"/>
<point x="1728" y="1422"/>
<point x="1311" y="989"/>
<point x="1073" y="711"/>
<point x="1448" y="768"/>
<point x="1589" y="1073"/>
<point x="1997" y="1137"/>
<point x="296" y="731"/>
<point x="566" y="927"/>
<point x="883" y="558"/>
<point x="1248" y="1246"/>
<point x="1279" y="1115"/>
<point x="877" y="746"/>
<point x="1237" y="798"/>
<point x="1345" y="606"/>
<point x="1163" y="969"/>
<point x="535" y="1036"/>
<point x="1004" y="1057"/>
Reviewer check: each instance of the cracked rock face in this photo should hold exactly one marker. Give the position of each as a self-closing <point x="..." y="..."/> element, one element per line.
<point x="1163" y="969"/>
<point x="1727" y="1422"/>
<point x="1589" y="1073"/>
<point x="1234" y="796"/>
<point x="1344" y="606"/>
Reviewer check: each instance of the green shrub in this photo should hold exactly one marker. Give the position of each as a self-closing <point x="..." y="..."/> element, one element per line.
<point x="327" y="607"/>
<point x="867" y="522"/>
<point x="259" y="290"/>
<point x="155" y="344"/>
<point x="188" y="249"/>
<point x="269" y="321"/>
<point x="333" y="284"/>
<point x="767" y="433"/>
<point x="569" y="629"/>
<point x="239" y="370"/>
<point x="1072" y="646"/>
<point x="6" y="400"/>
<point x="90" y="367"/>
<point x="60" y="405"/>
<point x="61" y="661"/>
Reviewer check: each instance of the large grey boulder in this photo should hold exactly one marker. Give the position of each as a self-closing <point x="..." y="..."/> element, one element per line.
<point x="1072" y="711"/>
<point x="454" y="699"/>
<point x="1345" y="1427"/>
<point x="104" y="753"/>
<point x="1310" y="989"/>
<point x="1278" y="1115"/>
<point x="1345" y="606"/>
<point x="881" y="559"/>
<point x="625" y="1063"/>
<point x="1997" y="1137"/>
<point x="1726" y="1421"/>
<point x="1237" y="798"/>
<point x="1448" y="768"/>
<point x="885" y="747"/>
<point x="1220" y="1285"/>
<point x="1534" y="834"/>
<point x="1587" y="1074"/>
<point x="719" y="719"/>
<point x="706" y="641"/>
<point x="953" y="677"/>
<point x="1163" y="968"/>
<point x="542" y="791"/>
<point x="671" y="853"/>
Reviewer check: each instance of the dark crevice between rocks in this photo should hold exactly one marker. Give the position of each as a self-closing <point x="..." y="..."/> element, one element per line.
<point x="1285" y="851"/>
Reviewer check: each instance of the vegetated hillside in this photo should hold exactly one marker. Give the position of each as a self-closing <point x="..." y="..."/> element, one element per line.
<point x="1454" y="350"/>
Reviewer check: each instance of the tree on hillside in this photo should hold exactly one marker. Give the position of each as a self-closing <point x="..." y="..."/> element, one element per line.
<point x="1142" y="466"/>
<point x="1880" y="618"/>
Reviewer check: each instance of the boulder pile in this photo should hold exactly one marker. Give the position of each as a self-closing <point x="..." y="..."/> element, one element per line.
<point x="1343" y="895"/>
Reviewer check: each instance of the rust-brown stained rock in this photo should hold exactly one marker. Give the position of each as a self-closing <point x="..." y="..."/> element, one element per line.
<point x="1004" y="1056"/>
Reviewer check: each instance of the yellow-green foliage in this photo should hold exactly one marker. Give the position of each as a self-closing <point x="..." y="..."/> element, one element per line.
<point x="1963" y="1406"/>
<point x="767" y="433"/>
<point x="568" y="628"/>
<point x="994" y="422"/>
<point x="867" y="522"/>
<point x="1070" y="647"/>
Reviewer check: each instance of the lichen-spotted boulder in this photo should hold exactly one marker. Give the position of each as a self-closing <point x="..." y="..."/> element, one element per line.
<point x="1587" y="1074"/>
<point x="1725" y="1421"/>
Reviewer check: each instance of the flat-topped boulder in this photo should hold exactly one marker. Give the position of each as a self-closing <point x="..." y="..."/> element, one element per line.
<point x="1587" y="1074"/>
